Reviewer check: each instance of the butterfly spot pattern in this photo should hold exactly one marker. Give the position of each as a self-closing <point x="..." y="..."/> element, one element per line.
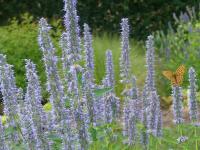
<point x="176" y="78"/>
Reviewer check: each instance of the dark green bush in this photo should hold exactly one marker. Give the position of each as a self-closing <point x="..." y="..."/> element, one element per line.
<point x="145" y="16"/>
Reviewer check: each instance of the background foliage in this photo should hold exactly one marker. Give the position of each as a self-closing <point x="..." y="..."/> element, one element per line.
<point x="19" y="42"/>
<point x="103" y="15"/>
<point x="179" y="45"/>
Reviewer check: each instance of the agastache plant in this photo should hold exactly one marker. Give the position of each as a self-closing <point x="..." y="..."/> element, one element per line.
<point x="99" y="111"/>
<point x="70" y="40"/>
<point x="144" y="96"/>
<point x="152" y="101"/>
<point x="69" y="136"/>
<point x="9" y="92"/>
<point x="152" y="112"/>
<point x="125" y="70"/>
<point x="81" y="113"/>
<point x="134" y="99"/>
<point x="35" y="96"/>
<point x="144" y="132"/>
<point x="54" y="85"/>
<point x="88" y="94"/>
<point x="131" y="109"/>
<point x="3" y="143"/>
<point x="192" y="99"/>
<point x="159" y="126"/>
<point x="34" y="139"/>
<point x="112" y="103"/>
<point x="109" y="79"/>
<point x="150" y="59"/>
<point x="89" y="52"/>
<point x="125" y="52"/>
<point x="109" y="82"/>
<point x="177" y="104"/>
<point x="126" y="115"/>
<point x="132" y="131"/>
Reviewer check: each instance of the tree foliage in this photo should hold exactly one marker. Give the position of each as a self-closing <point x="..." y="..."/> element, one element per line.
<point x="145" y="16"/>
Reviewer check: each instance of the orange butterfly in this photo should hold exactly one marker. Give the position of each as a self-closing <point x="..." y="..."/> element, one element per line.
<point x="176" y="78"/>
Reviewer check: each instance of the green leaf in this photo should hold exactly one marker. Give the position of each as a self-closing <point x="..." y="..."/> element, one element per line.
<point x="19" y="146"/>
<point x="55" y="138"/>
<point x="93" y="132"/>
<point x="79" y="76"/>
<point x="101" y="92"/>
<point x="10" y="130"/>
<point x="67" y="104"/>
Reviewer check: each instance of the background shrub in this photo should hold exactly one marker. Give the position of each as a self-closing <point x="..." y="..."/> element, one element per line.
<point x="179" y="46"/>
<point x="103" y="15"/>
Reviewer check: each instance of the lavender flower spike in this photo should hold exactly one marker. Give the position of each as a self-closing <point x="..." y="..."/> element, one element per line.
<point x="144" y="133"/>
<point x="126" y="116"/>
<point x="109" y="79"/>
<point x="177" y="104"/>
<point x="132" y="131"/>
<point x="150" y="63"/>
<point x="88" y="94"/>
<point x="9" y="90"/>
<point x="70" y="39"/>
<point x="34" y="92"/>
<point x="192" y="99"/>
<point x="54" y="85"/>
<point x="124" y="59"/>
<point x="3" y="143"/>
<point x="89" y="56"/>
<point x="152" y="112"/>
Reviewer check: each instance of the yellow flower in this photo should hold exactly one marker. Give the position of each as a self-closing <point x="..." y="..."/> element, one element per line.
<point x="3" y="119"/>
<point x="47" y="107"/>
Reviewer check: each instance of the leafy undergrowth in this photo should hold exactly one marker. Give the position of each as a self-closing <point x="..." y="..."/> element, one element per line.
<point x="109" y="137"/>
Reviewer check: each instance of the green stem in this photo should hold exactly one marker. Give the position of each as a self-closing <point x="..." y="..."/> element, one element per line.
<point x="196" y="142"/>
<point x="156" y="146"/>
<point x="180" y="130"/>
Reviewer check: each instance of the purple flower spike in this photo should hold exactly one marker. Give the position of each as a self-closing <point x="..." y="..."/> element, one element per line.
<point x="192" y="98"/>
<point x="89" y="52"/>
<point x="177" y="104"/>
<point x="70" y="40"/>
<point x="124" y="59"/>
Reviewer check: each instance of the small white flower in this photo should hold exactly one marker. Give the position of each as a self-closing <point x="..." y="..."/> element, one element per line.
<point x="182" y="139"/>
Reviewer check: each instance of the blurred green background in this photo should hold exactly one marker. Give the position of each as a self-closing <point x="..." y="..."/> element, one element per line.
<point x="102" y="15"/>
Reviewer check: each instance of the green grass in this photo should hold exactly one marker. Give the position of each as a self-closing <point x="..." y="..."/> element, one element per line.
<point x="19" y="42"/>
<point x="103" y="43"/>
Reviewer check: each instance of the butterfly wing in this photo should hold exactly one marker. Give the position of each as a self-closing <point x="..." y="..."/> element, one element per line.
<point x="179" y="79"/>
<point x="180" y="70"/>
<point x="179" y="74"/>
<point x="170" y="76"/>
